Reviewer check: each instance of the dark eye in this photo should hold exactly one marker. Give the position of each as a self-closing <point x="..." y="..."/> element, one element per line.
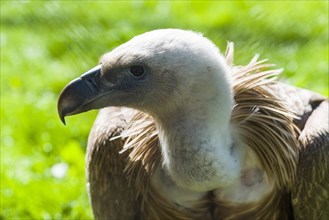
<point x="137" y="71"/>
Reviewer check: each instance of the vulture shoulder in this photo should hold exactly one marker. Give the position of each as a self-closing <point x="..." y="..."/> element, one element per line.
<point x="310" y="195"/>
<point x="110" y="193"/>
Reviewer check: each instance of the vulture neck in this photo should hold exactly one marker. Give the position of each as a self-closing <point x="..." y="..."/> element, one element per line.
<point x="198" y="148"/>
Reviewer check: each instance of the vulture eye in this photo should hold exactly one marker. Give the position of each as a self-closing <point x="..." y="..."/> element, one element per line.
<point x="137" y="71"/>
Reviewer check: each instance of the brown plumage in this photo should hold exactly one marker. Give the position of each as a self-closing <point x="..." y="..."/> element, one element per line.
<point x="284" y="128"/>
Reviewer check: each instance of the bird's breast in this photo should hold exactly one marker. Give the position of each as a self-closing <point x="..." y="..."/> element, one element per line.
<point x="194" y="204"/>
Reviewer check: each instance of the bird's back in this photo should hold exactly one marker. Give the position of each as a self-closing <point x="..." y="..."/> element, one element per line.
<point x="310" y="194"/>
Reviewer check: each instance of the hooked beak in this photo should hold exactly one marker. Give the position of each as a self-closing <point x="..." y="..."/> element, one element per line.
<point x="80" y="94"/>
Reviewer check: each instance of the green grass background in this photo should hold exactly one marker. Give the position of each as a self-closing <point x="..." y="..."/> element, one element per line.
<point x="45" y="44"/>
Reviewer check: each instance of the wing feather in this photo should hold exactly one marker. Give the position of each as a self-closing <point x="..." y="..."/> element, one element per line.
<point x="110" y="194"/>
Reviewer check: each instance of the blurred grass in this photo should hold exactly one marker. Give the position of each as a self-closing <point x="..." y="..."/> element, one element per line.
<point x="45" y="44"/>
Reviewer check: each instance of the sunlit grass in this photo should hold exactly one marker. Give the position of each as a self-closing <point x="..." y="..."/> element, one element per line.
<point x="45" y="44"/>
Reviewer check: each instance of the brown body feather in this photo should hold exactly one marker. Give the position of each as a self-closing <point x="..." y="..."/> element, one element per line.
<point x="128" y="150"/>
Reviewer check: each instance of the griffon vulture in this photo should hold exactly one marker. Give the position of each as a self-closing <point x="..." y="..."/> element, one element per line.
<point x="191" y="136"/>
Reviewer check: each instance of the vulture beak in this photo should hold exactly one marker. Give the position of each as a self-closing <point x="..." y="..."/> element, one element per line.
<point x="80" y="94"/>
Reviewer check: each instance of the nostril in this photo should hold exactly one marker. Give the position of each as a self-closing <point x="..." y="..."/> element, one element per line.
<point x="91" y="79"/>
<point x="91" y="83"/>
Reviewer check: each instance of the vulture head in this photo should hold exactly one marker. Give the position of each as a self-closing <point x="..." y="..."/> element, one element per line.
<point x="181" y="80"/>
<point x="162" y="72"/>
